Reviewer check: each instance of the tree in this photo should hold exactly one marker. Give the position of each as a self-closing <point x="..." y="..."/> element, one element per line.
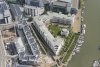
<point x="30" y="19"/>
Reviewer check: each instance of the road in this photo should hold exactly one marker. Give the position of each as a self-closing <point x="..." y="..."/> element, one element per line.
<point x="2" y="53"/>
<point x="89" y="50"/>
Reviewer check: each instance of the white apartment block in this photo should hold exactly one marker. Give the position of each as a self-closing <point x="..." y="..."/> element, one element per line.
<point x="61" y="18"/>
<point x="74" y="3"/>
<point x="39" y="22"/>
<point x="33" y="11"/>
<point x="65" y="5"/>
<point x="54" y="43"/>
<point x="34" y="7"/>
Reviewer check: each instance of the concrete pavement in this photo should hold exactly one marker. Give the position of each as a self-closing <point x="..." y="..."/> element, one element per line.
<point x="2" y="53"/>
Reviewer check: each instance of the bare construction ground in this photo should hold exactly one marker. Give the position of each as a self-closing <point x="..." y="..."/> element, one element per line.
<point x="77" y="24"/>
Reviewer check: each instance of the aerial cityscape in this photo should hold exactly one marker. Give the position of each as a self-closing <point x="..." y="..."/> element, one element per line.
<point x="49" y="33"/>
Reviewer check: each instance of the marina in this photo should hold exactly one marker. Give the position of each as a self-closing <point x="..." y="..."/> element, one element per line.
<point x="96" y="63"/>
<point x="80" y="40"/>
<point x="89" y="50"/>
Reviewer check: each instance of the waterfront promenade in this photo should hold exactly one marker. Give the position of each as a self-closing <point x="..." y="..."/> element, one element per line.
<point x="89" y="50"/>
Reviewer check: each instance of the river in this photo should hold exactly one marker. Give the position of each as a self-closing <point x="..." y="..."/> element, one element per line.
<point x="89" y="51"/>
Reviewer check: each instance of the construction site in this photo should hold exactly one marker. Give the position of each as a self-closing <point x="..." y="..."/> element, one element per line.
<point x="9" y="36"/>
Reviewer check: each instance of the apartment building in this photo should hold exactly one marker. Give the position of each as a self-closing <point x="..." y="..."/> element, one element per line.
<point x="34" y="7"/>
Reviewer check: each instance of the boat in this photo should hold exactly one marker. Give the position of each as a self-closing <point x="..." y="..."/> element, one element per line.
<point x="84" y="26"/>
<point x="83" y="31"/>
<point x="73" y="53"/>
<point x="80" y="41"/>
<point x="79" y="45"/>
<point x="77" y="49"/>
<point x="95" y="63"/>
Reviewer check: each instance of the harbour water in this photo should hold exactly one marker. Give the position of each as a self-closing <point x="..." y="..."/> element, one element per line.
<point x="89" y="50"/>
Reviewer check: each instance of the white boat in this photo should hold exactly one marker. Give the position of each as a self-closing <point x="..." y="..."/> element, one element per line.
<point x="80" y="41"/>
<point x="77" y="49"/>
<point x="84" y="26"/>
<point x="79" y="45"/>
<point x="73" y="53"/>
<point x="95" y="64"/>
<point x="81" y="18"/>
<point x="83" y="31"/>
<point x="82" y="12"/>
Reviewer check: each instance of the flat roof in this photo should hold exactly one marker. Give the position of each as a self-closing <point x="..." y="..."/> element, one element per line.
<point x="59" y="15"/>
<point x="19" y="45"/>
<point x="37" y="3"/>
<point x="75" y="3"/>
<point x="66" y="1"/>
<point x="61" y="4"/>
<point x="15" y="10"/>
<point x="31" y="43"/>
<point x="3" y="7"/>
<point x="31" y="40"/>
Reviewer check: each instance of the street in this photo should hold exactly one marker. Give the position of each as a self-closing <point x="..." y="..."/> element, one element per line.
<point x="2" y="53"/>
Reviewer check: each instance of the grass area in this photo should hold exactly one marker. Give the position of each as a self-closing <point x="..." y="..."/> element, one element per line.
<point x="55" y="30"/>
<point x="45" y="12"/>
<point x="81" y="3"/>
<point x="69" y="51"/>
<point x="55" y="65"/>
<point x="69" y="46"/>
<point x="67" y="40"/>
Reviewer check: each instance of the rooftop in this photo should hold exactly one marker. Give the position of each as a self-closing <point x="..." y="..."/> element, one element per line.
<point x="66" y="1"/>
<point x="18" y="65"/>
<point x="31" y="40"/>
<point x="3" y="6"/>
<point x="74" y="3"/>
<point x="61" y="4"/>
<point x="53" y="14"/>
<point x="15" y="10"/>
<point x="36" y="3"/>
<point x="19" y="45"/>
<point x="4" y="11"/>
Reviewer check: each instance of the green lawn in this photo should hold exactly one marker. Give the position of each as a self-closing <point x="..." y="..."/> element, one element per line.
<point x="55" y="30"/>
<point x="69" y="45"/>
<point x="81" y="3"/>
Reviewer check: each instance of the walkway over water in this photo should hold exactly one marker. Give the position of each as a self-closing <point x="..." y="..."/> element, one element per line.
<point x="89" y="50"/>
